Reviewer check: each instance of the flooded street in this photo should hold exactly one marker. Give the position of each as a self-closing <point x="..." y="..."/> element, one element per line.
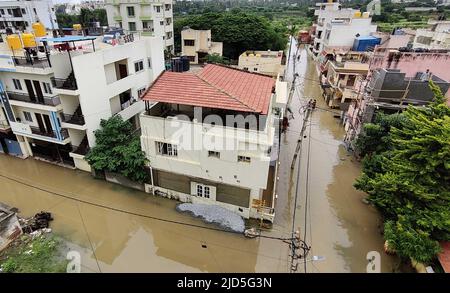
<point x="339" y="226"/>
<point x="117" y="229"/>
<point x="117" y="241"/>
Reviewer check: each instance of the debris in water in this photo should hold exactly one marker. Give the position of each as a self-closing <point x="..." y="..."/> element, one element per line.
<point x="251" y="233"/>
<point x="226" y="219"/>
<point x="39" y="221"/>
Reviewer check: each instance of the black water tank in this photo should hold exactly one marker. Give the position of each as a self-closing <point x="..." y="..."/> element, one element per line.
<point x="186" y="64"/>
<point x="177" y="64"/>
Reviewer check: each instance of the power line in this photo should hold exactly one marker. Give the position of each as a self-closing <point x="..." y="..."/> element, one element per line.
<point x="307" y="188"/>
<point x="130" y="212"/>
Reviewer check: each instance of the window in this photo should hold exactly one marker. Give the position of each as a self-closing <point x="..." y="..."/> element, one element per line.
<point x="138" y="66"/>
<point x="161" y="22"/>
<point x="34" y="9"/>
<point x="2" y="11"/>
<point x="149" y="61"/>
<point x="213" y="154"/>
<point x="167" y="7"/>
<point x="130" y="11"/>
<point x="168" y="21"/>
<point x="191" y="58"/>
<point x="145" y="24"/>
<point x="9" y="11"/>
<point x="158" y="9"/>
<point x="23" y="11"/>
<point x="141" y="91"/>
<point x="244" y="159"/>
<point x="245" y="68"/>
<point x="189" y="42"/>
<point x="132" y="26"/>
<point x="168" y="35"/>
<point x="255" y="68"/>
<point x="47" y="88"/>
<point x="27" y="116"/>
<point x="166" y="149"/>
<point x="17" y="84"/>
<point x="203" y="190"/>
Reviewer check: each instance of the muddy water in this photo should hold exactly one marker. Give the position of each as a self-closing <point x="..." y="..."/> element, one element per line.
<point x="111" y="241"/>
<point x="339" y="226"/>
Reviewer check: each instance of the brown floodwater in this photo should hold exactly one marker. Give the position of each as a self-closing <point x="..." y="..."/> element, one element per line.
<point x="340" y="227"/>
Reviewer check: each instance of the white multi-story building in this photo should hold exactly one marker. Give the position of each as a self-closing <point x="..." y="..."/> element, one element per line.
<point x="435" y="37"/>
<point x="55" y="99"/>
<point x="148" y="17"/>
<point x="212" y="137"/>
<point x="20" y="15"/>
<point x="325" y="13"/>
<point x="341" y="33"/>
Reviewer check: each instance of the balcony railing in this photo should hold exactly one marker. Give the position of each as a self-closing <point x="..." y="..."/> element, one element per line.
<point x="80" y="149"/>
<point x="34" y="62"/>
<point x="24" y="97"/>
<point x="73" y="119"/>
<point x="36" y="130"/>
<point x="64" y="83"/>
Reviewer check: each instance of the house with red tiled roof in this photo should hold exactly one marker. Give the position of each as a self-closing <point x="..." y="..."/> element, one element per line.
<point x="212" y="137"/>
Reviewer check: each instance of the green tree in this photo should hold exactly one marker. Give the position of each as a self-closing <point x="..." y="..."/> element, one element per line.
<point x="408" y="180"/>
<point x="216" y="58"/>
<point x="117" y="150"/>
<point x="238" y="31"/>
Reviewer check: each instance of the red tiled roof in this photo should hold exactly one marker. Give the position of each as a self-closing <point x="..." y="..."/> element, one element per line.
<point x="214" y="86"/>
<point x="444" y="256"/>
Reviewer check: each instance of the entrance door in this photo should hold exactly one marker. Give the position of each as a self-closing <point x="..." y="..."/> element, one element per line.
<point x="40" y="122"/>
<point x="48" y="124"/>
<point x="123" y="70"/>
<point x="40" y="95"/>
<point x="30" y="90"/>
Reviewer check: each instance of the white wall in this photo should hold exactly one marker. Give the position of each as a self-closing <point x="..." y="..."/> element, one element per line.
<point x="95" y="92"/>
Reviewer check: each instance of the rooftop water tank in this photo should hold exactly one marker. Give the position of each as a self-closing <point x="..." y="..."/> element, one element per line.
<point x="258" y="55"/>
<point x="14" y="42"/>
<point x="251" y="55"/>
<point x="28" y="40"/>
<point x="357" y="14"/>
<point x="366" y="14"/>
<point x="39" y="29"/>
<point x="77" y="27"/>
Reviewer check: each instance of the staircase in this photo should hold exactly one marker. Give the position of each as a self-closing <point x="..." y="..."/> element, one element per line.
<point x="83" y="148"/>
<point x="70" y="82"/>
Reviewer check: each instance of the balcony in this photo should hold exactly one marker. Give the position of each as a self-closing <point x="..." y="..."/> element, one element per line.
<point x="65" y="83"/>
<point x="73" y="119"/>
<point x="34" y="62"/>
<point x="145" y="17"/>
<point x="24" y="97"/>
<point x="52" y="134"/>
<point x="117" y="18"/>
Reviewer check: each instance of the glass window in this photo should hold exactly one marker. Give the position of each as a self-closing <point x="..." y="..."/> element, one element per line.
<point x="47" y="88"/>
<point x="199" y="190"/>
<point x="166" y="149"/>
<point x="213" y="154"/>
<point x="17" y="84"/>
<point x="149" y="60"/>
<point x="132" y="26"/>
<point x="244" y="159"/>
<point x="27" y="116"/>
<point x="158" y="9"/>
<point x="206" y="192"/>
<point x="130" y="11"/>
<point x="189" y="42"/>
<point x="138" y="66"/>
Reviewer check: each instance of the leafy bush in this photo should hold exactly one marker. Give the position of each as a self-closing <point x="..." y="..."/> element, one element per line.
<point x="117" y="150"/>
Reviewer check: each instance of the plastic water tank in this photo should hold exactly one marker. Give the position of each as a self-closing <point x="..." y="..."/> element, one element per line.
<point x="357" y="14"/>
<point x="14" y="42"/>
<point x="77" y="27"/>
<point x="366" y="14"/>
<point x="28" y="40"/>
<point x="39" y="29"/>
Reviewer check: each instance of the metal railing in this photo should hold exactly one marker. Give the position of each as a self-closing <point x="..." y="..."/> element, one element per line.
<point x="24" y="97"/>
<point x="73" y="119"/>
<point x="35" y="62"/>
<point x="36" y="130"/>
<point x="64" y="83"/>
